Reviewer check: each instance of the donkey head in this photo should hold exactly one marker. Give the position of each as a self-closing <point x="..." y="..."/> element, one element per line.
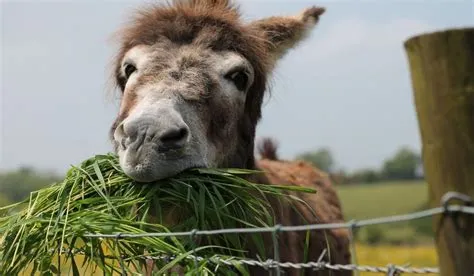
<point x="192" y="78"/>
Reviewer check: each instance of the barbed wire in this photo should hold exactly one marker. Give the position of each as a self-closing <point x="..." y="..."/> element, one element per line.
<point x="315" y="265"/>
<point x="390" y="269"/>
<point x="270" y="263"/>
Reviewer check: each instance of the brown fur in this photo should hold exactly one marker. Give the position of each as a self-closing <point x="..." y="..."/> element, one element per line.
<point x="215" y="25"/>
<point x="325" y="207"/>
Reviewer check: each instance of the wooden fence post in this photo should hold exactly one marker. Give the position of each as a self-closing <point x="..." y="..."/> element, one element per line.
<point x="442" y="75"/>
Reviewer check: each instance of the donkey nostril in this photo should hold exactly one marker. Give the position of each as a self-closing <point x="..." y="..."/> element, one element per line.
<point x="174" y="137"/>
<point x="119" y="135"/>
<point x="119" y="132"/>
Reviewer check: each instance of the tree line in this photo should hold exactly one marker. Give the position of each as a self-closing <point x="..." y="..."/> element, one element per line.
<point x="405" y="164"/>
<point x="16" y="185"/>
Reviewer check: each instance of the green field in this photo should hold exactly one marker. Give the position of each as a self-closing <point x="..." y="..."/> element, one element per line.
<point x="382" y="199"/>
<point x="385" y="199"/>
<point x="395" y="243"/>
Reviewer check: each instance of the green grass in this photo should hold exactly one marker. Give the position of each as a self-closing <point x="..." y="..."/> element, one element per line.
<point x="366" y="201"/>
<point x="97" y="197"/>
<point x="383" y="199"/>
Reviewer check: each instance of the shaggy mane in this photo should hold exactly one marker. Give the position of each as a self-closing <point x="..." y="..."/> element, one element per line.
<point x="267" y="148"/>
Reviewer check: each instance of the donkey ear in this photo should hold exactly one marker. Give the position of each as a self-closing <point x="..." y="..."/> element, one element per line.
<point x="284" y="32"/>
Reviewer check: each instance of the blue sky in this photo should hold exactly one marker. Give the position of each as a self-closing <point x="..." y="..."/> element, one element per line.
<point x="346" y="87"/>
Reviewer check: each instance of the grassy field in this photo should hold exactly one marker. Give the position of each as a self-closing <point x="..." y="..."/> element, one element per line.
<point x="384" y="199"/>
<point x="387" y="199"/>
<point x="397" y="243"/>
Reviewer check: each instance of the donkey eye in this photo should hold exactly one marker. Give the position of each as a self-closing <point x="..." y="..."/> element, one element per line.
<point x="239" y="78"/>
<point x="129" y="69"/>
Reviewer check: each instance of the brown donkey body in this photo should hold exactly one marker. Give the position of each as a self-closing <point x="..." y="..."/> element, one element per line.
<point x="192" y="77"/>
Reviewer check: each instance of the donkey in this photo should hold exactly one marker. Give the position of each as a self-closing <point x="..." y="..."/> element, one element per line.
<point x="192" y="77"/>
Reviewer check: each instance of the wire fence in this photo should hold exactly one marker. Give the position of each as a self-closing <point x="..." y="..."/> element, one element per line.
<point x="445" y="208"/>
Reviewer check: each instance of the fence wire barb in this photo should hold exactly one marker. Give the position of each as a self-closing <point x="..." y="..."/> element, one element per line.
<point x="390" y="269"/>
<point x="318" y="265"/>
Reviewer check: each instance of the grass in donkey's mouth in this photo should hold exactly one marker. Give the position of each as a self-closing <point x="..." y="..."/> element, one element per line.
<point x="98" y="198"/>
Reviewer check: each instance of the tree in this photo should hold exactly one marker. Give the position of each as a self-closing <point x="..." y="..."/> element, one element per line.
<point x="365" y="176"/>
<point x="321" y="158"/>
<point x="339" y="176"/>
<point x="16" y="185"/>
<point x="403" y="165"/>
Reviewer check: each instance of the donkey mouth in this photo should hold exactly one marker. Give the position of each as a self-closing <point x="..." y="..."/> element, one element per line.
<point x="146" y="173"/>
<point x="149" y="165"/>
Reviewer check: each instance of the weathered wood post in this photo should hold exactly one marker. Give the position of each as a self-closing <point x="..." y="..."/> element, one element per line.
<point x="442" y="74"/>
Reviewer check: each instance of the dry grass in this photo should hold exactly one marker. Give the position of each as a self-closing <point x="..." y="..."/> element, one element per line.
<point x="381" y="255"/>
